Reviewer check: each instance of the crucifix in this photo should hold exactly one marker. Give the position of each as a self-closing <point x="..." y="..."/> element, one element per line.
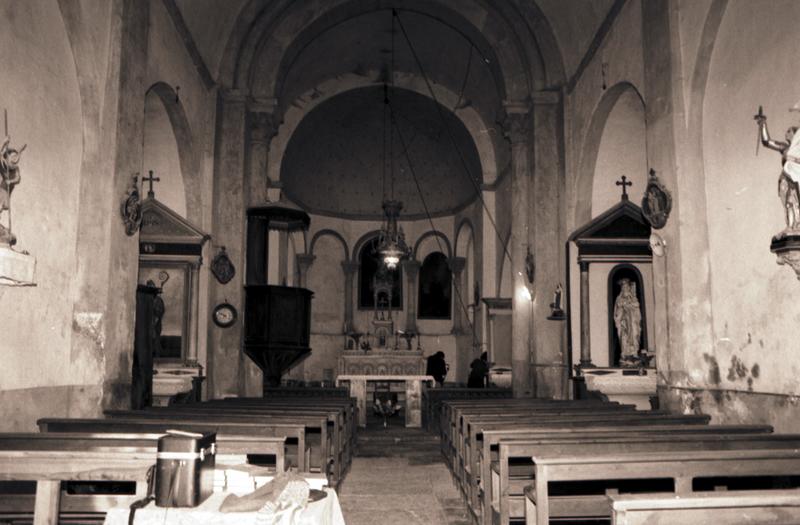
<point x="151" y="180"/>
<point x="624" y="182"/>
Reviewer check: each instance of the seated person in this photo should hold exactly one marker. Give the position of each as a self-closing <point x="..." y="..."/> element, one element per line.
<point x="479" y="373"/>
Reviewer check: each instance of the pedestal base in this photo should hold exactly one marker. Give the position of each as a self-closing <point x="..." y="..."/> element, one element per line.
<point x="16" y="268"/>
<point x="787" y="248"/>
<point x="623" y="385"/>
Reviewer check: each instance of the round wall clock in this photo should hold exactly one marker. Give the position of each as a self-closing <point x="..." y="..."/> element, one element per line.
<point x="224" y="315"/>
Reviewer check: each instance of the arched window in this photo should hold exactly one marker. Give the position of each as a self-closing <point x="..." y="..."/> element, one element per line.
<point x="435" y="287"/>
<point x="369" y="265"/>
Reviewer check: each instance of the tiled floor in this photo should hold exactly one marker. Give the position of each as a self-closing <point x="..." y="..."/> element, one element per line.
<point x="398" y="477"/>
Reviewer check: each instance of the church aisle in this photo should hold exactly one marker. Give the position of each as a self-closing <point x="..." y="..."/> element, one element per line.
<point x="398" y="477"/>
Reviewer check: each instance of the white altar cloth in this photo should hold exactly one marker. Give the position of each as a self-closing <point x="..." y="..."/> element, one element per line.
<point x="326" y="511"/>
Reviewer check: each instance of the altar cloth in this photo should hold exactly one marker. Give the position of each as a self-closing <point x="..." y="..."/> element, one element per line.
<point x="326" y="511"/>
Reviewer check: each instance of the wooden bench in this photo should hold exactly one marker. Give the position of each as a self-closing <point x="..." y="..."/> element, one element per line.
<point x="680" y="467"/>
<point x="329" y="454"/>
<point x="294" y="433"/>
<point x="483" y="491"/>
<point x="757" y="507"/>
<point x="576" y="419"/>
<point x="452" y="410"/>
<point x="347" y="404"/>
<point x="432" y="399"/>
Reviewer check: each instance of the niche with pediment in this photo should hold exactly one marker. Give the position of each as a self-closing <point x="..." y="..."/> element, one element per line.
<point x="611" y="289"/>
<point x="170" y="255"/>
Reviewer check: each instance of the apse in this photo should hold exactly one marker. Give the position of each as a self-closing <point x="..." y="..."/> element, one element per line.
<point x="334" y="162"/>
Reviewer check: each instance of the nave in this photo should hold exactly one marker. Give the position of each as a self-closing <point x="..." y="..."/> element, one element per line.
<point x="299" y="455"/>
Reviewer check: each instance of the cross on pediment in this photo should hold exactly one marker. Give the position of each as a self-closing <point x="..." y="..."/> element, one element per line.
<point x="624" y="182"/>
<point x="151" y="179"/>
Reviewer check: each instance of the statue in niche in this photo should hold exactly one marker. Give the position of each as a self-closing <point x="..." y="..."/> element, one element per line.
<point x="628" y="321"/>
<point x="788" y="189"/>
<point x="9" y="177"/>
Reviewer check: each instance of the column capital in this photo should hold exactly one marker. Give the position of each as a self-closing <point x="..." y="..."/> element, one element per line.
<point x="233" y="96"/>
<point x="546" y="98"/>
<point x="304" y="260"/>
<point x="457" y="264"/>
<point x="350" y="267"/>
<point x="517" y="122"/>
<point x="583" y="265"/>
<point x="263" y="126"/>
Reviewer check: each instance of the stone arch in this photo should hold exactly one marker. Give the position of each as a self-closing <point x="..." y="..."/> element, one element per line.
<point x="331" y="233"/>
<point x="591" y="148"/>
<point x="367" y="237"/>
<point x="189" y="161"/>
<point x="426" y="235"/>
<point x="486" y="143"/>
<point x="523" y="41"/>
<point x="464" y="233"/>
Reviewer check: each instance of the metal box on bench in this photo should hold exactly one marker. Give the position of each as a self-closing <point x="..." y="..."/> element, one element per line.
<point x="184" y="469"/>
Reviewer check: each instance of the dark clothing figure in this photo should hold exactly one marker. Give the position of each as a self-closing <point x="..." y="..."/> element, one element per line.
<point x="437" y="367"/>
<point x="479" y="373"/>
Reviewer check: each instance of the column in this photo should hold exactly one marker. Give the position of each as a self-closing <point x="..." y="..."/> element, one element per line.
<point x="517" y="131"/>
<point x="411" y="271"/>
<point x="229" y="369"/>
<point x="350" y="268"/>
<point x="548" y="222"/>
<point x="304" y="261"/>
<point x="586" y="350"/>
<point x="488" y="260"/>
<point x="261" y="127"/>
<point x="194" y="302"/>
<point x="460" y="302"/>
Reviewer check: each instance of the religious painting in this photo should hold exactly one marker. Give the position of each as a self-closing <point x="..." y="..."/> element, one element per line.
<point x="370" y="266"/>
<point x="435" y="287"/>
<point x="656" y="203"/>
<point x="627" y="329"/>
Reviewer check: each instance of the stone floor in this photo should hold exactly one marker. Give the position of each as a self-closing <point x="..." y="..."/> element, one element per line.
<point x="398" y="477"/>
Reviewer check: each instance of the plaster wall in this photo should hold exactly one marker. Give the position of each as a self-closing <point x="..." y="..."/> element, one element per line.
<point x="622" y="152"/>
<point x="161" y="156"/>
<point x="618" y="59"/>
<point x="39" y="89"/>
<point x="753" y="299"/>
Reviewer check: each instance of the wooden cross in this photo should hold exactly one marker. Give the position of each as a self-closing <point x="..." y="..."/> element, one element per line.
<point x="624" y="183"/>
<point x="151" y="180"/>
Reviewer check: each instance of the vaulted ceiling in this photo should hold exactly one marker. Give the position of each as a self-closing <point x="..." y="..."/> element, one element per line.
<point x="479" y="54"/>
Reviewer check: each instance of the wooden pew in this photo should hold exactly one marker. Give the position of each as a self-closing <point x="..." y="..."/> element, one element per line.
<point x="452" y="410"/>
<point x="483" y="496"/>
<point x="328" y="423"/>
<point x="682" y="467"/>
<point x="90" y="454"/>
<point x="757" y="507"/>
<point x="294" y="432"/>
<point x="48" y="468"/>
<point x="578" y="419"/>
<point x="432" y="399"/>
<point x="348" y="404"/>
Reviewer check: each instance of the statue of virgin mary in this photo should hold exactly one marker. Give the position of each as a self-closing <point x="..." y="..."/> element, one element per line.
<point x="628" y="320"/>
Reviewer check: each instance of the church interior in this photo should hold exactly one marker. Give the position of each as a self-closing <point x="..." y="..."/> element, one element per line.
<point x="271" y="211"/>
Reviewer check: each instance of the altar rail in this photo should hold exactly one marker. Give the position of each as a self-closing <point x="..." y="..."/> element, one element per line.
<point x="432" y="400"/>
<point x="303" y="391"/>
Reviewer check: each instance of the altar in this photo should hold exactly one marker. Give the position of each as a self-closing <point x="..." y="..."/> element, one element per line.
<point x="413" y="394"/>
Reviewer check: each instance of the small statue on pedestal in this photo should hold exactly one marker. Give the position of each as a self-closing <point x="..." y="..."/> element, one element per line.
<point x="9" y="177"/>
<point x="556" y="310"/>
<point x="628" y="321"/>
<point x="790" y="174"/>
